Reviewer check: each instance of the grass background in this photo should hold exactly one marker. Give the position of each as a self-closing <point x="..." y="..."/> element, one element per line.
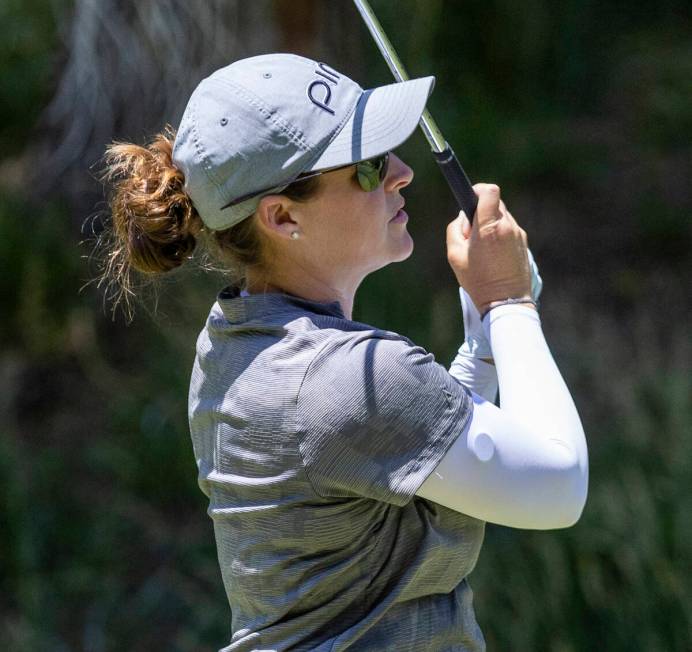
<point x="580" y="111"/>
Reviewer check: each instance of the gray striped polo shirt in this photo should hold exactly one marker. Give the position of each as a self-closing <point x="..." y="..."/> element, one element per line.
<point x="312" y="434"/>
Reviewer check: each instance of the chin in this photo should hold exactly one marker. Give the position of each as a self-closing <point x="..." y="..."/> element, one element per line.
<point x="398" y="255"/>
<point x="405" y="249"/>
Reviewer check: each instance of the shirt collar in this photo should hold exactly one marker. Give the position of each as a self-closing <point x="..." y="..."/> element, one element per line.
<point x="238" y="309"/>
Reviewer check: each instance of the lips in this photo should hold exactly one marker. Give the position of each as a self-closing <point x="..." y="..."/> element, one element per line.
<point x="398" y="211"/>
<point x="400" y="217"/>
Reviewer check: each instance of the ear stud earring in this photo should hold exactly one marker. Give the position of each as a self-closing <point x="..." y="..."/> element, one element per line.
<point x="295" y="235"/>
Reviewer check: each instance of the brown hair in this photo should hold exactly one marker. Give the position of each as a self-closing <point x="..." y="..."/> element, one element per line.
<point x="154" y="227"/>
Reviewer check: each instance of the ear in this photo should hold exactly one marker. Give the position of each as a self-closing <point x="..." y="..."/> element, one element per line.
<point x="275" y="215"/>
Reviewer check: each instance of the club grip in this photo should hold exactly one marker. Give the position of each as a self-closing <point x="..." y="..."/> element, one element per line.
<point x="458" y="182"/>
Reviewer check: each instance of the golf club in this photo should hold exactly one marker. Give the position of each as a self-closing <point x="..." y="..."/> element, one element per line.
<point x="444" y="155"/>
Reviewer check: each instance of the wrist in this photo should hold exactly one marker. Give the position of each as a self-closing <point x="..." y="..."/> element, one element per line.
<point x="525" y="300"/>
<point x="513" y="311"/>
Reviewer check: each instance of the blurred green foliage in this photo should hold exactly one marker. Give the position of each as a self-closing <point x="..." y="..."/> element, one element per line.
<point x="579" y="112"/>
<point x="27" y="58"/>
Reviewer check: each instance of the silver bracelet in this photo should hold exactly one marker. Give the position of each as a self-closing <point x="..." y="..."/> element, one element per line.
<point x="507" y="302"/>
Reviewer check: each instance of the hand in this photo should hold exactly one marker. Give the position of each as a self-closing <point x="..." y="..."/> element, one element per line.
<point x="489" y="259"/>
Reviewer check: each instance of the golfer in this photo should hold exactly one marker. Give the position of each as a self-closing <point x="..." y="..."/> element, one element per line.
<point x="349" y="474"/>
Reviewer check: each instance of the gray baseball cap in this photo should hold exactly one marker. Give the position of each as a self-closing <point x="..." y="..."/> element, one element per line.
<point x="259" y="123"/>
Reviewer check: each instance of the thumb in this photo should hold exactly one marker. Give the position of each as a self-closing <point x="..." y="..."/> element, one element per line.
<point x="488" y="210"/>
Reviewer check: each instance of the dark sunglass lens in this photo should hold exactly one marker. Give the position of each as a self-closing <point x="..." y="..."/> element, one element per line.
<point x="371" y="173"/>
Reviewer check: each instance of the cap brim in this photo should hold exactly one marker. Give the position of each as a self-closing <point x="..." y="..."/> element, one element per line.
<point x="383" y="119"/>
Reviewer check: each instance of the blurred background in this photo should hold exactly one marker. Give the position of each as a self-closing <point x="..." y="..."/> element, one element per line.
<point x="581" y="111"/>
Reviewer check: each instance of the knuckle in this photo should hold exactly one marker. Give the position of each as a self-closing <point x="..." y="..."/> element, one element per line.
<point x="491" y="231"/>
<point x="491" y="188"/>
<point x="504" y="227"/>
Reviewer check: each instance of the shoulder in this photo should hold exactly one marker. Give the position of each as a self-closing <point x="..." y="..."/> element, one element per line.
<point x="357" y="374"/>
<point x="346" y="355"/>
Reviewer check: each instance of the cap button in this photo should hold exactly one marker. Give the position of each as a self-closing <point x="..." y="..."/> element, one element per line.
<point x="267" y="75"/>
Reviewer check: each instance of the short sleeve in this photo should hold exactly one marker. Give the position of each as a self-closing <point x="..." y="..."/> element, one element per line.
<point x="375" y="415"/>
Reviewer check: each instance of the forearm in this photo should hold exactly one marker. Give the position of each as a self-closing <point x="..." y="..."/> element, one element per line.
<point x="471" y="366"/>
<point x="525" y="464"/>
<point x="532" y="389"/>
<point x="478" y="375"/>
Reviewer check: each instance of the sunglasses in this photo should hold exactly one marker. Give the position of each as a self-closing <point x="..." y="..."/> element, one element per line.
<point x="370" y="174"/>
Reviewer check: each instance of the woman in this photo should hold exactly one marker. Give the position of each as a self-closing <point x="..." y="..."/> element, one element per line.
<point x="349" y="475"/>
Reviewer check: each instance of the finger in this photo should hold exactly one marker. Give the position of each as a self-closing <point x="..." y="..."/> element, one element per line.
<point x="457" y="244"/>
<point x="488" y="211"/>
<point x="455" y="230"/>
<point x="465" y="225"/>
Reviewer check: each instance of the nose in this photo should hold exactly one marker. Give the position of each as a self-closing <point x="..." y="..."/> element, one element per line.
<point x="399" y="175"/>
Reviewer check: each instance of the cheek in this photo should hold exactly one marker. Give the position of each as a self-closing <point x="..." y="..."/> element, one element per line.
<point x="351" y="225"/>
<point x="363" y="226"/>
<point x="355" y="220"/>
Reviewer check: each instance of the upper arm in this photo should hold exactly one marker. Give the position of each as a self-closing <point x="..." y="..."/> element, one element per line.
<point x="375" y="415"/>
<point x="500" y="471"/>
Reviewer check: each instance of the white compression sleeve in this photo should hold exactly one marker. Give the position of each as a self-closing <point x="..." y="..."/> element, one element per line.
<point x="523" y="464"/>
<point x="479" y="376"/>
<point x="468" y="367"/>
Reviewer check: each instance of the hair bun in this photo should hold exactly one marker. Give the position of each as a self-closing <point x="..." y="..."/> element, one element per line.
<point x="154" y="220"/>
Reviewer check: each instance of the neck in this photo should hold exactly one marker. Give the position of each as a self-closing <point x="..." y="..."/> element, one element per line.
<point x="306" y="287"/>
